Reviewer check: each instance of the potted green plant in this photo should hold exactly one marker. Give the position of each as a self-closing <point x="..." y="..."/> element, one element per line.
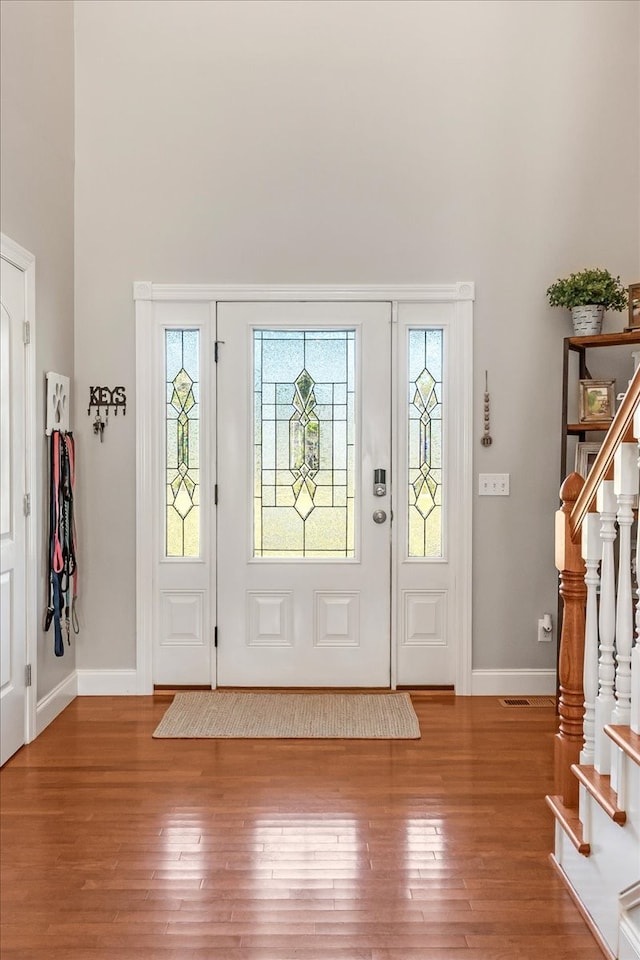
<point x="588" y="294"/>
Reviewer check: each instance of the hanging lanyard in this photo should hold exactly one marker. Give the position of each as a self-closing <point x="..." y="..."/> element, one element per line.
<point x="63" y="567"/>
<point x="73" y="569"/>
<point x="57" y="558"/>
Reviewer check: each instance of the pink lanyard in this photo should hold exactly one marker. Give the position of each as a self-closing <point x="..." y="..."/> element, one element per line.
<point x="58" y="560"/>
<point x="72" y="481"/>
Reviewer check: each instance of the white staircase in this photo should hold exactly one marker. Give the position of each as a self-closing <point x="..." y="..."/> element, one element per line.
<point x="597" y="804"/>
<point x="601" y="876"/>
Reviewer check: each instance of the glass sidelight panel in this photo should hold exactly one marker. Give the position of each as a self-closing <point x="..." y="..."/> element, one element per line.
<point x="304" y="439"/>
<point x="425" y="350"/>
<point x="182" y="351"/>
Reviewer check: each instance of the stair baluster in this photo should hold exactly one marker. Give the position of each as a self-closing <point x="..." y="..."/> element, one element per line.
<point x="606" y="506"/>
<point x="635" y="653"/>
<point x="591" y="553"/>
<point x="626" y="488"/>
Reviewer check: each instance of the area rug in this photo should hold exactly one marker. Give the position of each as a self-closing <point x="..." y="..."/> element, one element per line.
<point x="212" y="714"/>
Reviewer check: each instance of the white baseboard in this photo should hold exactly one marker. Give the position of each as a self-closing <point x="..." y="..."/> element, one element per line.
<point x="484" y="683"/>
<point x="55" y="702"/>
<point x="507" y="683"/>
<point x="107" y="683"/>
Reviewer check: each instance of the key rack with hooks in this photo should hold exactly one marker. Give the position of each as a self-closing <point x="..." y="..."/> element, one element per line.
<point x="105" y="398"/>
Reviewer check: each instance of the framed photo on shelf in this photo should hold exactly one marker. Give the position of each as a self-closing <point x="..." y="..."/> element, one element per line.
<point x="597" y="400"/>
<point x="586" y="454"/>
<point x="634" y="307"/>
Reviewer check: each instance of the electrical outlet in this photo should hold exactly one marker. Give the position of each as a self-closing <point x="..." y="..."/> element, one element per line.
<point x="544" y="636"/>
<point x="493" y="484"/>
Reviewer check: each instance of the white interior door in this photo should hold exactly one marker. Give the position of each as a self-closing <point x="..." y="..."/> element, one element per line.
<point x="12" y="518"/>
<point x="304" y="544"/>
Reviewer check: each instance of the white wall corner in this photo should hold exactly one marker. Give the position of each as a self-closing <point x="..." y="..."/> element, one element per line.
<point x="55" y="702"/>
<point x="506" y="683"/>
<point x="107" y="683"/>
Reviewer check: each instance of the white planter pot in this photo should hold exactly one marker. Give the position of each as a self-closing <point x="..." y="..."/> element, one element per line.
<point x="587" y="320"/>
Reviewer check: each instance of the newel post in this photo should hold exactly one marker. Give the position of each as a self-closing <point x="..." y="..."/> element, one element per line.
<point x="569" y="562"/>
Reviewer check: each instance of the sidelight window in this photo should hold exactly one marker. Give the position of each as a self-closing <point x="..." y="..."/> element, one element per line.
<point x="425" y="356"/>
<point x="182" y="422"/>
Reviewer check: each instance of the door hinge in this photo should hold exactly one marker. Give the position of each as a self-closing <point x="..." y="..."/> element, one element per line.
<point x="27" y="675"/>
<point x="215" y="636"/>
<point x="26" y="504"/>
<point x="26" y="332"/>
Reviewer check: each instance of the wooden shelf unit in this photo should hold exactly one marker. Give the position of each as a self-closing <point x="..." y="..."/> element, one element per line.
<point x="581" y="345"/>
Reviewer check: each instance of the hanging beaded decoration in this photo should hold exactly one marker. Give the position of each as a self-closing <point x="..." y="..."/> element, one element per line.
<point x="486" y="439"/>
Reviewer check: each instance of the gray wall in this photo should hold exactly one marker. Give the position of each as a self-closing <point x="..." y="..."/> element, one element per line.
<point x="36" y="203"/>
<point x="355" y="142"/>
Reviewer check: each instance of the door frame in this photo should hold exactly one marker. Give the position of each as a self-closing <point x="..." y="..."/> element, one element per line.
<point x="145" y="293"/>
<point x="26" y="263"/>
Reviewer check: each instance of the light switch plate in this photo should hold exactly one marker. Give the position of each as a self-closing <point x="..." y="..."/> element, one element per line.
<point x="493" y="484"/>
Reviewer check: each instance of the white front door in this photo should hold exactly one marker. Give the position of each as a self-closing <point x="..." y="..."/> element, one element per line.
<point x="255" y="486"/>
<point x="12" y="518"/>
<point x="304" y="546"/>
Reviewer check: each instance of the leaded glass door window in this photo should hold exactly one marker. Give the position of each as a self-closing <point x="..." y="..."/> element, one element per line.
<point x="424" y="442"/>
<point x="182" y="375"/>
<point x="304" y="435"/>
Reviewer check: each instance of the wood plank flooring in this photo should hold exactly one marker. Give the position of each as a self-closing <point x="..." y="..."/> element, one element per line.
<point x="116" y="846"/>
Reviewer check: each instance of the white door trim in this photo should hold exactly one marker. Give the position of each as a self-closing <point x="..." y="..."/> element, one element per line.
<point x="144" y="295"/>
<point x="443" y="292"/>
<point x="26" y="262"/>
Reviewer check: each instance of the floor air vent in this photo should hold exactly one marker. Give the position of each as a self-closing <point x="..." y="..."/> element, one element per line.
<point x="528" y="701"/>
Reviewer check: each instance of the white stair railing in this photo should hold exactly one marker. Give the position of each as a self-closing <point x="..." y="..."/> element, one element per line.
<point x="575" y="679"/>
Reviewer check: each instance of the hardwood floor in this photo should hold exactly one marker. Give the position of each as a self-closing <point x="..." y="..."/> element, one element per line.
<point x="118" y="846"/>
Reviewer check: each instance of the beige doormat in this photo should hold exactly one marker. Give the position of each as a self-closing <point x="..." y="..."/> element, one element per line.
<point x="211" y="713"/>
